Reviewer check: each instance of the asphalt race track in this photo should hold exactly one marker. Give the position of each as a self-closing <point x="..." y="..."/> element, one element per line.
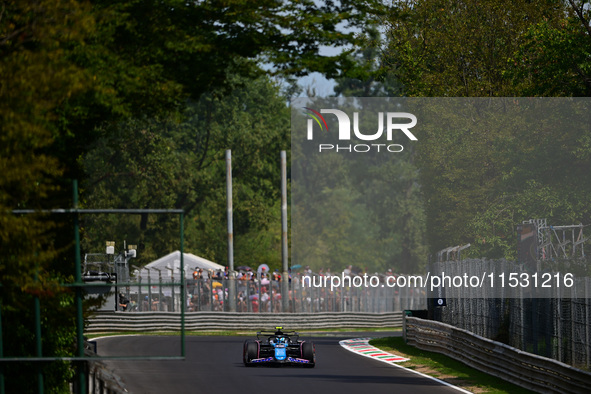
<point x="213" y="364"/>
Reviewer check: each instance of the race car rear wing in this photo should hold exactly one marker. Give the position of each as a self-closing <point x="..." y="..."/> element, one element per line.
<point x="278" y="331"/>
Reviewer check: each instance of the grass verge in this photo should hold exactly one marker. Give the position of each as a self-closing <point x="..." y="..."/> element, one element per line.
<point x="445" y="368"/>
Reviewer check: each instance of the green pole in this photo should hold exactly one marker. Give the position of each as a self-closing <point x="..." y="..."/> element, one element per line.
<point x="182" y="219"/>
<point x="78" y="283"/>
<point x="2" y="389"/>
<point x="38" y="345"/>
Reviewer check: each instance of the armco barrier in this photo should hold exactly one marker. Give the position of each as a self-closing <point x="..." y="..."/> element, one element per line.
<point x="527" y="370"/>
<point x="202" y="321"/>
<point x="102" y="380"/>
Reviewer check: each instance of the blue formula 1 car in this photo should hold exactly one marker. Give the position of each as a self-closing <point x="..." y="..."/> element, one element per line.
<point x="278" y="348"/>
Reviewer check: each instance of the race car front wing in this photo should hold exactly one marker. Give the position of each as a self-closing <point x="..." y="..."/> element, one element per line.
<point x="287" y="360"/>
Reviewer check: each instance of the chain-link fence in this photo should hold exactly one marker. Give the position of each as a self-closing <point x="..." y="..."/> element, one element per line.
<point x="556" y="324"/>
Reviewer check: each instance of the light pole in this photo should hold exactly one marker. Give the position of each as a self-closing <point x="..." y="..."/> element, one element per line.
<point x="110" y="250"/>
<point x="231" y="277"/>
<point x="284" y="244"/>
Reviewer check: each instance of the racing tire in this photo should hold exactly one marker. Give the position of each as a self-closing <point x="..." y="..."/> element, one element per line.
<point x="309" y="353"/>
<point x="251" y="351"/>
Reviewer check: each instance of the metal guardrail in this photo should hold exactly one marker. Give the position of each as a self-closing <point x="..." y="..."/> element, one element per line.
<point x="553" y="322"/>
<point x="524" y="369"/>
<point x="102" y="380"/>
<point x="202" y="321"/>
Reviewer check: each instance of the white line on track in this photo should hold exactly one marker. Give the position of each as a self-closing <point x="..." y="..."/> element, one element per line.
<point x="362" y="347"/>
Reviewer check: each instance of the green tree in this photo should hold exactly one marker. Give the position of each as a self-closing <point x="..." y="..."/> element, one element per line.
<point x="486" y="166"/>
<point x="458" y="48"/>
<point x="540" y="165"/>
<point x="392" y="191"/>
<point x="70" y="71"/>
<point x="36" y="77"/>
<point x="360" y="209"/>
<point x="480" y="177"/>
<point x="553" y="58"/>
<point x="368" y="79"/>
<point x="179" y="162"/>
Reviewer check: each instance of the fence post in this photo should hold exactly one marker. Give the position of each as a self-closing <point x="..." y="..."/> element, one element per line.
<point x="572" y="326"/>
<point x="404" y="316"/>
<point x="79" y="296"/>
<point x="149" y="289"/>
<point x="559" y="324"/>
<point x="587" y="322"/>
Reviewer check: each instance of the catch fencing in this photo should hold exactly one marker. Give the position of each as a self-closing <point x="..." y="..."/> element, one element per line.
<point x="266" y="296"/>
<point x="533" y="372"/>
<point x="556" y="326"/>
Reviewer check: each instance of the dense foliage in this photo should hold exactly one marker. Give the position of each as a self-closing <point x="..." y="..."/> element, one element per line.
<point x="78" y="78"/>
<point x="140" y="99"/>
<point x="478" y="185"/>
<point x="180" y="163"/>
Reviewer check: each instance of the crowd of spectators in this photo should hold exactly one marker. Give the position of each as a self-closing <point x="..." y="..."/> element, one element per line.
<point x="256" y="291"/>
<point x="261" y="291"/>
